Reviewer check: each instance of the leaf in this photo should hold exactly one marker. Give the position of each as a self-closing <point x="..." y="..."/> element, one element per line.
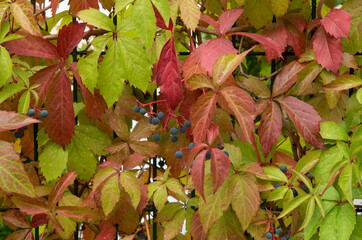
<point x="307" y="162"/>
<point x="278" y="33"/>
<point x="280" y="7"/>
<point x="296" y="37"/>
<point x="6" y="66"/>
<point x="271" y="48"/>
<point x="259" y="12"/>
<point x="17" y="218"/>
<point x="108" y="231"/>
<point x="201" y="115"/>
<point x="305" y="77"/>
<point x="22" y="11"/>
<point x="59" y="188"/>
<point x="144" y="20"/>
<point x="345" y="182"/>
<point x="120" y="5"/>
<point x="344" y="82"/>
<point x="160" y="197"/>
<point x="220" y="165"/>
<point x="168" y="74"/>
<point x="196" y="227"/>
<point x="332" y="130"/>
<point x="332" y="96"/>
<point x="277" y="194"/>
<point x="260" y="89"/>
<point x="226" y="65"/>
<point x="305" y="119"/>
<point x="228" y="18"/>
<point x="12" y="120"/>
<point x="308" y="213"/>
<point x="110" y="194"/>
<point x="200" y="81"/>
<point x="270" y="127"/>
<point x="356" y="142"/>
<point x="354" y="43"/>
<point x="242" y="107"/>
<point x="328" y="50"/>
<point x="320" y="205"/>
<point x="198" y="173"/>
<point x="59" y="124"/>
<point x="245" y="199"/>
<point x="78" y="5"/>
<point x="174" y="226"/>
<point x="30" y="206"/>
<point x="130" y="183"/>
<point x="68" y="38"/>
<point x="3" y="9"/>
<point x="72" y="211"/>
<point x="96" y="18"/>
<point x="293" y="204"/>
<point x="9" y="90"/>
<point x="33" y="46"/>
<point x="24" y="102"/>
<point x="190" y="13"/>
<point x="163" y="8"/>
<point x="274" y="174"/>
<point x="286" y="78"/>
<point x="337" y="23"/>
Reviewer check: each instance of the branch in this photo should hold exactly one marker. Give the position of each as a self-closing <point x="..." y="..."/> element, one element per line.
<point x="94" y="32"/>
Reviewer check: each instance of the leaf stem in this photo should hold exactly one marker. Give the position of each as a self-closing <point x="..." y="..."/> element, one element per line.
<point x="147" y="227"/>
<point x="256" y="148"/>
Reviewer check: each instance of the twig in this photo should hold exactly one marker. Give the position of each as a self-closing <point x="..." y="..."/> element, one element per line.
<point x="147" y="227"/>
<point x="94" y="32"/>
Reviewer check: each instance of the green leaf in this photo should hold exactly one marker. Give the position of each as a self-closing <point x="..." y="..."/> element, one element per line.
<point x="24" y="102"/>
<point x="13" y="177"/>
<point x="110" y="78"/>
<point x="190" y="13"/>
<point x="259" y="12"/>
<point x="96" y="18"/>
<point x="152" y="187"/>
<point x="344" y="82"/>
<point x="110" y="194"/>
<point x="174" y="226"/>
<point x="93" y="138"/>
<point x="344" y="148"/>
<point x="5" y="66"/>
<point x="144" y="20"/>
<point x="320" y="205"/>
<point x="22" y="11"/>
<point x="332" y="130"/>
<point x="277" y="194"/>
<point x="227" y="227"/>
<point x="359" y="95"/>
<point x="130" y="183"/>
<point x="20" y="72"/>
<point x="3" y="9"/>
<point x="53" y="161"/>
<point x="356" y="142"/>
<point x="176" y="188"/>
<point x="294" y="204"/>
<point x="357" y="232"/>
<point x="164" y="8"/>
<point x="9" y="90"/>
<point x="274" y="174"/>
<point x="138" y="67"/>
<point x="345" y="182"/>
<point x="120" y="5"/>
<point x="160" y="197"/>
<point x="326" y="161"/>
<point x="308" y="213"/>
<point x="307" y="162"/>
<point x="304" y="179"/>
<point x="280" y="7"/>
<point x="305" y="77"/>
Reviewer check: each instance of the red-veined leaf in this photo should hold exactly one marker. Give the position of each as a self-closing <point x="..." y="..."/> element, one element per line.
<point x="72" y="211"/>
<point x="305" y="119"/>
<point x="242" y="107"/>
<point x="110" y="164"/>
<point x="33" y="46"/>
<point x="328" y="50"/>
<point x="296" y="38"/>
<point x="13" y="177"/>
<point x="254" y="168"/>
<point x="30" y="206"/>
<point x="190" y="13"/>
<point x="305" y="77"/>
<point x="59" y="124"/>
<point x="197" y="232"/>
<point x="13" y="120"/>
<point x="69" y="37"/>
<point x="16" y="218"/>
<point x="54" y="5"/>
<point x="228" y="18"/>
<point x="160" y="22"/>
<point x="22" y="10"/>
<point x="271" y="48"/>
<point x="142" y="130"/>
<point x="168" y="74"/>
<point x="220" y="165"/>
<point x="287" y="77"/>
<point x="297" y="20"/>
<point x="270" y="127"/>
<point x="337" y="23"/>
<point x="198" y="173"/>
<point x="209" y="20"/>
<point x="192" y="154"/>
<point x="59" y="188"/>
<point x="78" y="5"/>
<point x="134" y="160"/>
<point x="212" y="132"/>
<point x="201" y="115"/>
<point x="108" y="231"/>
<point x="278" y="33"/>
<point x="344" y="82"/>
<point x="200" y="81"/>
<point x="24" y="234"/>
<point x="260" y="89"/>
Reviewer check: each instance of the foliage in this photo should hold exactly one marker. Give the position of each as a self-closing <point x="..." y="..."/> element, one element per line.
<point x="255" y="134"/>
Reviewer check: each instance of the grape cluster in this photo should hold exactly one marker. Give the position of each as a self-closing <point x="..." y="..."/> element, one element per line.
<point x="43" y="113"/>
<point x="20" y="132"/>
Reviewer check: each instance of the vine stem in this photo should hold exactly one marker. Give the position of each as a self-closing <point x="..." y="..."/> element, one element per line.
<point x="256" y="148"/>
<point x="334" y="177"/>
<point x="147" y="227"/>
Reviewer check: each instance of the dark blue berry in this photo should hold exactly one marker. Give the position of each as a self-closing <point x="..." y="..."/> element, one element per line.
<point x="269" y="236"/>
<point x="219" y="145"/>
<point x="44" y="113"/>
<point x="182" y="129"/>
<point x="304" y="188"/>
<point x="278" y="231"/>
<point x="287" y="237"/>
<point x="143" y="111"/>
<point x="187" y="123"/>
<point x="136" y="108"/>
<point x="191" y="145"/>
<point x="173" y="131"/>
<point x="141" y="235"/>
<point x="309" y="175"/>
<point x="31" y="112"/>
<point x="24" y="128"/>
<point x="276" y="185"/>
<point x="178" y="154"/>
<point x="283" y="238"/>
<point x="283" y="168"/>
<point x="227" y="154"/>
<point x="150" y="120"/>
<point x="155" y="121"/>
<point x="295" y="193"/>
<point x="208" y="155"/>
<point x="12" y="130"/>
<point x="161" y="115"/>
<point x="156" y="137"/>
<point x="19" y="134"/>
<point x="174" y="139"/>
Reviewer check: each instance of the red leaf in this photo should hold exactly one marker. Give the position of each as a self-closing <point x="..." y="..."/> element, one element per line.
<point x="39" y="220"/>
<point x="16" y="218"/>
<point x="206" y="18"/>
<point x="168" y="74"/>
<point x="201" y="115"/>
<point x="328" y="50"/>
<point x="54" y="4"/>
<point x="133" y="161"/>
<point x="69" y="37"/>
<point x="287" y="77"/>
<point x="296" y="39"/>
<point x="110" y="164"/>
<point x="305" y="119"/>
<point x="220" y="165"/>
<point x="30" y="206"/>
<point x="72" y="211"/>
<point x="33" y="46"/>
<point x="24" y="234"/>
<point x="198" y="173"/>
<point x="159" y="19"/>
<point x="278" y="33"/>
<point x="297" y="20"/>
<point x="192" y="154"/>
<point x="337" y="23"/>
<point x="59" y="188"/>
<point x="108" y="231"/>
<point x="228" y="18"/>
<point x="212" y="132"/>
<point x="284" y="159"/>
<point x="12" y="120"/>
<point x="78" y="5"/>
<point x="59" y="124"/>
<point x="272" y="50"/>
<point x="270" y="127"/>
<point x="197" y="231"/>
<point x="43" y="78"/>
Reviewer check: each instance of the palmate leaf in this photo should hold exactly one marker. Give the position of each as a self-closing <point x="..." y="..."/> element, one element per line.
<point x="96" y="18"/>
<point x="293" y="204"/>
<point x="12" y="120"/>
<point x="190" y="13"/>
<point x="174" y="226"/>
<point x="13" y="177"/>
<point x="78" y="5"/>
<point x="308" y="213"/>
<point x="110" y="194"/>
<point x="344" y="82"/>
<point x="280" y="7"/>
<point x="16" y="218"/>
<point x="220" y="165"/>
<point x="227" y="19"/>
<point x="68" y="38"/>
<point x="30" y="206"/>
<point x="59" y="188"/>
<point x="337" y="23"/>
<point x="294" y="24"/>
<point x="345" y="182"/>
<point x="278" y="33"/>
<point x="131" y="185"/>
<point x="22" y="11"/>
<point x="259" y="12"/>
